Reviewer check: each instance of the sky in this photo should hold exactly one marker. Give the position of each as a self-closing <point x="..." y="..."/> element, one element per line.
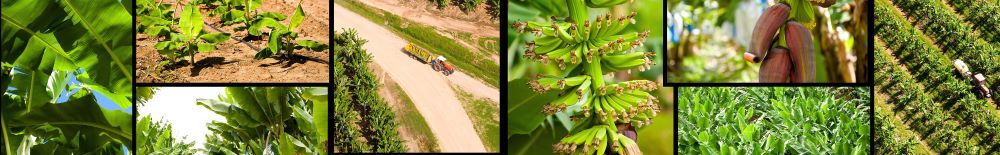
<point x="177" y="105"/>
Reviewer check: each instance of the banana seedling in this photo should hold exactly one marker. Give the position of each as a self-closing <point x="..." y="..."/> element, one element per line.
<point x="244" y="11"/>
<point x="155" y="18"/>
<point x="191" y="39"/>
<point x="283" y="40"/>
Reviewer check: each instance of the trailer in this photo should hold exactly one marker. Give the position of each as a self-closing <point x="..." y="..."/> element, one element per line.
<point x="978" y="80"/>
<point x="437" y="62"/>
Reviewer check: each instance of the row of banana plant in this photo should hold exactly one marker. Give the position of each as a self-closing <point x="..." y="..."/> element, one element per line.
<point x="359" y="87"/>
<point x="58" y="57"/>
<point x="185" y="35"/>
<point x="887" y="139"/>
<point x="911" y="100"/>
<point x="268" y="120"/>
<point x="982" y="14"/>
<point x="957" y="39"/>
<point x="934" y="69"/>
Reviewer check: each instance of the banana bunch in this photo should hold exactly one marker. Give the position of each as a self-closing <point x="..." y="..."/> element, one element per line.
<point x="596" y="140"/>
<point x="569" y="45"/>
<point x="558" y="7"/>
<point x="587" y="50"/>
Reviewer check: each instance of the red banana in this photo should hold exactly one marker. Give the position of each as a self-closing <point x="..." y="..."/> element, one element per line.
<point x="764" y="32"/>
<point x="800" y="48"/>
<point x="777" y="66"/>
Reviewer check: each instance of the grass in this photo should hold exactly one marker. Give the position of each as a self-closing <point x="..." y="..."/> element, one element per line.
<point x="490" y="44"/>
<point x="485" y="116"/>
<point x="414" y="122"/>
<point x="482" y="68"/>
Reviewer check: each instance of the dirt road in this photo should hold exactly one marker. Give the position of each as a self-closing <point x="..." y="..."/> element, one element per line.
<point x="429" y="90"/>
<point x="416" y="11"/>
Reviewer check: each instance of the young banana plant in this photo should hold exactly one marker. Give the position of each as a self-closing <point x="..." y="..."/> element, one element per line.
<point x="155" y="18"/>
<point x="586" y="51"/>
<point x="191" y="39"/>
<point x="283" y="40"/>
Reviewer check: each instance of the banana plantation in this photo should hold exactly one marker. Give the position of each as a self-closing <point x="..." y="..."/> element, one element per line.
<point x="257" y="120"/>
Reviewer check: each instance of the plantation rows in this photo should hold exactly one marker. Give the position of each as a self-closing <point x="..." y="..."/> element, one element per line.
<point x="955" y="37"/>
<point x="185" y="36"/>
<point x="773" y="120"/>
<point x="941" y="101"/>
<point x="939" y="128"/>
<point x="357" y="95"/>
<point x="983" y="15"/>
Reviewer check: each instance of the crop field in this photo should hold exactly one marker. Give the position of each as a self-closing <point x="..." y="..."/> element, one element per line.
<point x="66" y="79"/>
<point x="363" y="121"/>
<point x="925" y="104"/>
<point x="773" y="120"/>
<point x="181" y="41"/>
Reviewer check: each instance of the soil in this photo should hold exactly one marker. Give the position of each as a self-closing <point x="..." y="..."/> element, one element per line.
<point x="478" y="22"/>
<point x="429" y="90"/>
<point x="413" y="141"/>
<point x="232" y="61"/>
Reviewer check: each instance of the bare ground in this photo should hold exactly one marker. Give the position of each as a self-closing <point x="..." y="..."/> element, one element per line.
<point x="232" y="61"/>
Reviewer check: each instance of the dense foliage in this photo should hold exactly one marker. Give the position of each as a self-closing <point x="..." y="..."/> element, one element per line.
<point x="268" y="120"/>
<point x="58" y="57"/>
<point x="156" y="20"/>
<point x="357" y="94"/>
<point x="773" y="120"/>
<point x="955" y="38"/>
<point x="926" y="87"/>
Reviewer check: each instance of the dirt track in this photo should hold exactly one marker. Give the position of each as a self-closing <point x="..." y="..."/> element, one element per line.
<point x="429" y="90"/>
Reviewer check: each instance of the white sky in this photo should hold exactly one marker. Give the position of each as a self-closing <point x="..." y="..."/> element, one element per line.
<point x="177" y="105"/>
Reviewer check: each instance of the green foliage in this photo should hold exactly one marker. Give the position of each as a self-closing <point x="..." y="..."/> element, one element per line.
<point x="957" y="39"/>
<point x="46" y="43"/>
<point x="358" y="95"/>
<point x="773" y="120"/>
<point x="585" y="50"/>
<point x="192" y="38"/>
<point x="155" y="138"/>
<point x="283" y="38"/>
<point x="926" y="82"/>
<point x="273" y="120"/>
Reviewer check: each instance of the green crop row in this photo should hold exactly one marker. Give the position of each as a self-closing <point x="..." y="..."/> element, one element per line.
<point x="956" y="38"/>
<point x="773" y="120"/>
<point x="358" y="88"/>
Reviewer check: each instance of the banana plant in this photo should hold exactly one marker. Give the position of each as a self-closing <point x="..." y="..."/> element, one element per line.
<point x="191" y="40"/>
<point x="154" y="137"/>
<point x="47" y="43"/>
<point x="256" y="120"/>
<point x="283" y="40"/>
<point x="245" y="12"/>
<point x="155" y="18"/>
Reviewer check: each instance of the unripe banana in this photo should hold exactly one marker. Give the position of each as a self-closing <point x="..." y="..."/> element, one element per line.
<point x="764" y="31"/>
<point x="776" y="67"/>
<point x="800" y="47"/>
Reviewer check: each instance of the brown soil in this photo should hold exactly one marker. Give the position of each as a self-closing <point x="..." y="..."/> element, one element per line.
<point x="232" y="61"/>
